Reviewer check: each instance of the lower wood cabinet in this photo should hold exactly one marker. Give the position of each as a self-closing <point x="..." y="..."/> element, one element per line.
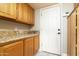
<point x="31" y="46"/>
<point x="26" y="47"/>
<point x="13" y="49"/>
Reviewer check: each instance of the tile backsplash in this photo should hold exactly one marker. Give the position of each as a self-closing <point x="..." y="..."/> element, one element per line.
<point x="7" y="25"/>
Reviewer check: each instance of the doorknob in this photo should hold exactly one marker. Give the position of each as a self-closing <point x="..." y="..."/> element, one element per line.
<point x="59" y="33"/>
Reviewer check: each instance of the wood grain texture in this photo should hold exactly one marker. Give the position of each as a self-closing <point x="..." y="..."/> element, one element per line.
<point x="36" y="44"/>
<point x="9" y="9"/>
<point x="28" y="47"/>
<point x="73" y="33"/>
<point x="68" y="37"/>
<point x="78" y="31"/>
<point x="76" y="4"/>
<point x="12" y="11"/>
<point x="14" y="49"/>
<point x="20" y="12"/>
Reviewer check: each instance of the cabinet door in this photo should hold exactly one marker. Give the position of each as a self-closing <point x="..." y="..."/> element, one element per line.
<point x="14" y="49"/>
<point x="19" y="12"/>
<point x="25" y="13"/>
<point x="28" y="14"/>
<point x="78" y="31"/>
<point x="4" y="7"/>
<point x="1" y="51"/>
<point x="31" y="15"/>
<point x="36" y="44"/>
<point x="68" y="37"/>
<point x="12" y="10"/>
<point x="73" y="33"/>
<point x="22" y="13"/>
<point x="28" y="47"/>
<point x="8" y="10"/>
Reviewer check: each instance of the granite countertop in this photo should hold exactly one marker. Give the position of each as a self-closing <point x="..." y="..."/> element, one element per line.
<point x="13" y="37"/>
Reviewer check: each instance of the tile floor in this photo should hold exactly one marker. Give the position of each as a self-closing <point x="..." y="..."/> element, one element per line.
<point x="43" y="53"/>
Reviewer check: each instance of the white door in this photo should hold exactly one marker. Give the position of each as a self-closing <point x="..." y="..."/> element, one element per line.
<point x="50" y="29"/>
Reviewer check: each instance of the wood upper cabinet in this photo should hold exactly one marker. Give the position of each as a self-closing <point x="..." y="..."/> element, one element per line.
<point x="28" y="14"/>
<point x="28" y="47"/>
<point x="4" y="7"/>
<point x="8" y="10"/>
<point x="18" y="11"/>
<point x="36" y="44"/>
<point x="13" y="10"/>
<point x="13" y="49"/>
<point x="4" y="10"/>
<point x="32" y="15"/>
<point x="25" y="13"/>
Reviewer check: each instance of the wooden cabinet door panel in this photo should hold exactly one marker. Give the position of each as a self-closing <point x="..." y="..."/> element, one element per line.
<point x="36" y="44"/>
<point x="4" y="7"/>
<point x="12" y="11"/>
<point x="8" y="9"/>
<point x="1" y="51"/>
<point x="14" y="49"/>
<point x="28" y="47"/>
<point x="25" y="13"/>
<point x="31" y="14"/>
<point x="19" y="12"/>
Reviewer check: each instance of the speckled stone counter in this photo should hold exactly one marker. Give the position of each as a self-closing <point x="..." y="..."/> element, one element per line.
<point x="7" y="40"/>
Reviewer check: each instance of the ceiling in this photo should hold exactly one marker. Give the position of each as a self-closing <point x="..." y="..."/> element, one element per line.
<point x="40" y="5"/>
